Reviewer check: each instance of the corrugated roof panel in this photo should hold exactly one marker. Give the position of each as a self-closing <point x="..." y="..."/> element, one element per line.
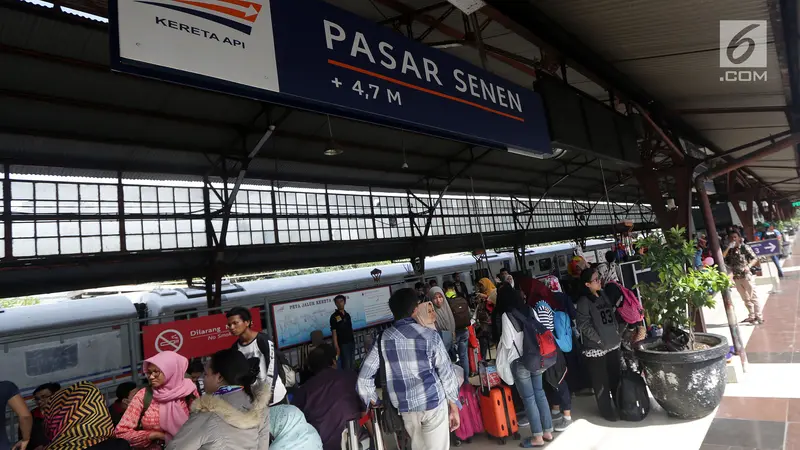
<point x="731" y="101"/>
<point x="715" y="121"/>
<point x="667" y="78"/>
<point x="728" y="139"/>
<point x="624" y="29"/>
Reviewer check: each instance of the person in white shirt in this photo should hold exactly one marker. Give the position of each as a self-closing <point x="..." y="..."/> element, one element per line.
<point x="265" y="360"/>
<point x="513" y="372"/>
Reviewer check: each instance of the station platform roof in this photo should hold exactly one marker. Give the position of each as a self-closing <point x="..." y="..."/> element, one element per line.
<point x="641" y="53"/>
<point x="66" y="113"/>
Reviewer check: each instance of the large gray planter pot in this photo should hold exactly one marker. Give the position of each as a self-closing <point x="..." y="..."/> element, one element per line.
<point x="688" y="385"/>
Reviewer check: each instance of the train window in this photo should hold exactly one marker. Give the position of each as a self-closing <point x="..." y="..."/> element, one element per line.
<point x="545" y="265"/>
<point x="183" y="314"/>
<point x="51" y="360"/>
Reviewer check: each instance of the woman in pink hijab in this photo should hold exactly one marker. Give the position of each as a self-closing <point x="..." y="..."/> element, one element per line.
<point x="168" y="398"/>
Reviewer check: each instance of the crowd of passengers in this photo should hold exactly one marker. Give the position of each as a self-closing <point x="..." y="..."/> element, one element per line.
<point x="247" y="402"/>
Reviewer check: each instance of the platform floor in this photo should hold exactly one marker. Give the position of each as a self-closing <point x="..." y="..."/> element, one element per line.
<point x="762" y="411"/>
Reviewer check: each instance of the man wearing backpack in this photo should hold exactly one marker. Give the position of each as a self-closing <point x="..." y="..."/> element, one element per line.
<point x="266" y="361"/>
<point x="462" y="318"/>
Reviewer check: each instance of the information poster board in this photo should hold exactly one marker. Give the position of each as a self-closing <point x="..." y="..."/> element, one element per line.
<point x="294" y="321"/>
<point x="192" y="338"/>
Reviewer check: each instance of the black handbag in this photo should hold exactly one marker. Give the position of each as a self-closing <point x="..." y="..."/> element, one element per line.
<point x="390" y="419"/>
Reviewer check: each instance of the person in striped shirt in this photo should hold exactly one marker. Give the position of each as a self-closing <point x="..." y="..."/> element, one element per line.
<point x="420" y="379"/>
<point x="562" y="417"/>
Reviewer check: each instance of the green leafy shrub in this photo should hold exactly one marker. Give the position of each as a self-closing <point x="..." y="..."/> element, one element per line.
<point x="680" y="287"/>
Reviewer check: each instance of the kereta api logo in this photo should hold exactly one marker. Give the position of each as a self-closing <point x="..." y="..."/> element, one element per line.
<point x="237" y="14"/>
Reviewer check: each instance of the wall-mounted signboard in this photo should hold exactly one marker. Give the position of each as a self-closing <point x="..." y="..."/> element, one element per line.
<point x="294" y="321"/>
<point x="312" y="55"/>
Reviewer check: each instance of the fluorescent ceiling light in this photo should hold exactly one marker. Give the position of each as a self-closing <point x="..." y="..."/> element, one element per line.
<point x="39" y="3"/>
<point x="557" y="153"/>
<point x="468" y="6"/>
<point x="446" y="44"/>
<point x="85" y="15"/>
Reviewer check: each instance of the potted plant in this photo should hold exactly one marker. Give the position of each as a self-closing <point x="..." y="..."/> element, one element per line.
<point x="684" y="370"/>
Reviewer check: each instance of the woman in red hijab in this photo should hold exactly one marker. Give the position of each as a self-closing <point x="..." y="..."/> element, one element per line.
<point x="535" y="291"/>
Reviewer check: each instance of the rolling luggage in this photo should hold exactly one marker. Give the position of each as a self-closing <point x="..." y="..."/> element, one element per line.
<point x="632" y="398"/>
<point x="470" y="414"/>
<point x="497" y="406"/>
<point x="498" y="414"/>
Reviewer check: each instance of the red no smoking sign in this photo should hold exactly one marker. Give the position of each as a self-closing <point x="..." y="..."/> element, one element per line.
<point x="169" y="340"/>
<point x="192" y="338"/>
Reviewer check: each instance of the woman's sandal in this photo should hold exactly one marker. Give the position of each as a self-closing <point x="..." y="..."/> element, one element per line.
<point x="528" y="443"/>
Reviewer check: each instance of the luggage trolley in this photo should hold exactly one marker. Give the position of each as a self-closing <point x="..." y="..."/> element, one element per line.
<point x="352" y="441"/>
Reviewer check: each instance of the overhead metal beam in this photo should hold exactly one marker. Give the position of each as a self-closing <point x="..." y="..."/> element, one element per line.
<point x="438" y="22"/>
<point x="773" y="167"/>
<point x="739" y="148"/>
<point x="451" y="32"/>
<point x="733" y="110"/>
<point x="784" y="181"/>
<point x="413" y="13"/>
<point x="122" y="109"/>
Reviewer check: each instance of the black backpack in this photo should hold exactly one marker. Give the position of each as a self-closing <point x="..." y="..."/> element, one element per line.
<point x="633" y="401"/>
<point x="461" y="312"/>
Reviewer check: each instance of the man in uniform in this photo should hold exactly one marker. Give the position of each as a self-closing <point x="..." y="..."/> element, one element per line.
<point x="342" y="330"/>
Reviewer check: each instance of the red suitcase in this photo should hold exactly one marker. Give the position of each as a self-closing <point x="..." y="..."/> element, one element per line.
<point x="474" y="358"/>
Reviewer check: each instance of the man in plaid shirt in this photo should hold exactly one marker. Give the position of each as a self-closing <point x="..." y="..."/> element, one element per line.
<point x="420" y="378"/>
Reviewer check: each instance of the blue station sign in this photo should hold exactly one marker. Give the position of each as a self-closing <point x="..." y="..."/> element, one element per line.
<point x="766" y="247"/>
<point x="312" y="55"/>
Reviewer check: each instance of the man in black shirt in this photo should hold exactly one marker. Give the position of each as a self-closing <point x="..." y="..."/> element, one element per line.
<point x="342" y="331"/>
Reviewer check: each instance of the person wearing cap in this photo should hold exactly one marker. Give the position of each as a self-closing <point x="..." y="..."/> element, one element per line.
<point x="461" y="320"/>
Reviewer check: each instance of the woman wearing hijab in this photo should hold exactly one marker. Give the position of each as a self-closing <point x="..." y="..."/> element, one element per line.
<point x="290" y="431"/>
<point x="76" y="418"/>
<point x="487" y="290"/>
<point x="445" y="322"/>
<point x="170" y="395"/>
<point x="513" y="371"/>
<point x="230" y="416"/>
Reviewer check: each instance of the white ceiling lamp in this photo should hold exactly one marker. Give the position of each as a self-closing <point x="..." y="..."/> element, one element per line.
<point x="468" y="6"/>
<point x="405" y="161"/>
<point x="558" y="152"/>
<point x="446" y="44"/>
<point x="331" y="149"/>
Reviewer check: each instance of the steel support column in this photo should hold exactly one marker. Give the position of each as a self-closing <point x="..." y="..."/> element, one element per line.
<point x="745" y="215"/>
<point x="711" y="228"/>
<point x="682" y="175"/>
<point x="123" y="241"/>
<point x="651" y="190"/>
<point x="7" y="228"/>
